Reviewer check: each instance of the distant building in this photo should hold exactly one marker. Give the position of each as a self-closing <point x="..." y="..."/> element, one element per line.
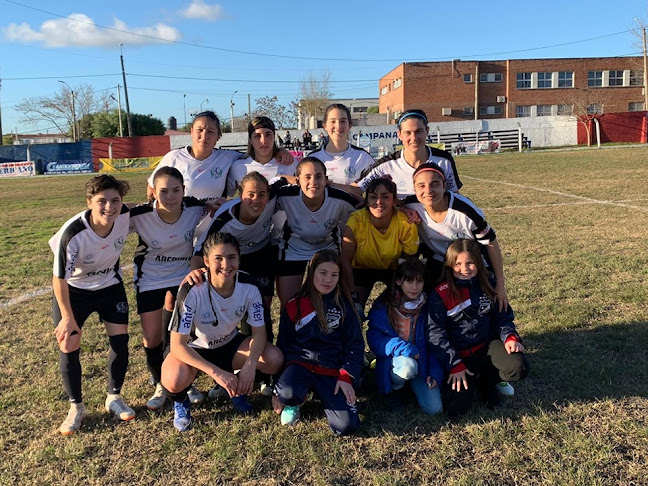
<point x="470" y="90"/>
<point x="29" y="139"/>
<point x="359" y="107"/>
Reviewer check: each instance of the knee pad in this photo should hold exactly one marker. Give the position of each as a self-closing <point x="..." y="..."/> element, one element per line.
<point x="119" y="344"/>
<point x="405" y="368"/>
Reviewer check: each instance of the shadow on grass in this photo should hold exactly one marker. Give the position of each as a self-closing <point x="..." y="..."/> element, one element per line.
<point x="580" y="365"/>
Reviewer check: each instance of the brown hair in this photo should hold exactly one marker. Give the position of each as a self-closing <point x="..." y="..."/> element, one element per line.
<point x="253" y="176"/>
<point x="103" y="182"/>
<point x="310" y="160"/>
<point x="212" y="116"/>
<point x="260" y="122"/>
<point x="472" y="248"/>
<point x="337" y="106"/>
<point x="409" y="270"/>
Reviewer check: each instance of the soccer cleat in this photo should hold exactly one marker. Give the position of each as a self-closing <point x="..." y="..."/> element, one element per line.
<point x="74" y="419"/>
<point x="290" y="415"/>
<point x="241" y="404"/>
<point x="182" y="415"/>
<point x="505" y="389"/>
<point x="157" y="401"/>
<point x="195" y="396"/>
<point x="217" y="392"/>
<point x="116" y="406"/>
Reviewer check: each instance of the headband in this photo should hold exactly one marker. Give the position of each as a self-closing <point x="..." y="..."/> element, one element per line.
<point x="412" y="113"/>
<point x="432" y="170"/>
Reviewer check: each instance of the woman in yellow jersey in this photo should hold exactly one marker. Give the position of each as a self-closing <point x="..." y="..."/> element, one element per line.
<point x="375" y="238"/>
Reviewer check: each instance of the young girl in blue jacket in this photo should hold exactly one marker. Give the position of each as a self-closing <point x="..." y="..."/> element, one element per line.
<point x="397" y="335"/>
<point x="475" y="340"/>
<point x="320" y="336"/>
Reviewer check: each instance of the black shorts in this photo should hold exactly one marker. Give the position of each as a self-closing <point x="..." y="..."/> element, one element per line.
<point x="367" y="277"/>
<point x="223" y="355"/>
<point x="153" y="300"/>
<point x="261" y="266"/>
<point x="110" y="303"/>
<point x="289" y="268"/>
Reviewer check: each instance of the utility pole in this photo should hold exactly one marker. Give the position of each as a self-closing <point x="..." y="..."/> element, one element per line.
<point x="1" y="139"/>
<point x="184" y="106"/>
<point x="645" y="70"/>
<point x="128" y="115"/>
<point x="74" y="124"/>
<point x="232" y="112"/>
<point x="249" y="109"/>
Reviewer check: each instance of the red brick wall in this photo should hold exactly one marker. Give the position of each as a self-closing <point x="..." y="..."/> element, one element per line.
<point x="126" y="148"/>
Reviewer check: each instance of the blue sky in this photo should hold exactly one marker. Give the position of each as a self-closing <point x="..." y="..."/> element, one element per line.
<point x="265" y="48"/>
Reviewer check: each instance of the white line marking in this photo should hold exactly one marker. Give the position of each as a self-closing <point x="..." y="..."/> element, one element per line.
<point x="38" y="292"/>
<point x="565" y="194"/>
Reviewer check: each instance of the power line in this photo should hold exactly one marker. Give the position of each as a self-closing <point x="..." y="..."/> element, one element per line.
<point x="251" y="53"/>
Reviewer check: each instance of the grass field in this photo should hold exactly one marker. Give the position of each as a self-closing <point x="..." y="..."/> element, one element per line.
<point x="572" y="226"/>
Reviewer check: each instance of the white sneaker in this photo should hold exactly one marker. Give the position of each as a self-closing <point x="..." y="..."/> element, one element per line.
<point x="505" y="389"/>
<point x="194" y="395"/>
<point x="217" y="392"/>
<point x="157" y="401"/>
<point x="74" y="419"/>
<point x="265" y="389"/>
<point x="117" y="406"/>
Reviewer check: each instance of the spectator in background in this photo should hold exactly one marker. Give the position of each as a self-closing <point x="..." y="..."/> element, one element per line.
<point x="308" y="138"/>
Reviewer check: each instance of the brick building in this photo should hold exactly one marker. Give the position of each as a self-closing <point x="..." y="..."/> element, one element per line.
<point x="470" y="90"/>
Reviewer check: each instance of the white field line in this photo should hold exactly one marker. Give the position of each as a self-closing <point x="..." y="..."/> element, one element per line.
<point x="37" y="293"/>
<point x="584" y="199"/>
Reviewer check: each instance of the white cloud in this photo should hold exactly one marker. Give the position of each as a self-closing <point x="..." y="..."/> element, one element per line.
<point x="79" y="30"/>
<point x="201" y="10"/>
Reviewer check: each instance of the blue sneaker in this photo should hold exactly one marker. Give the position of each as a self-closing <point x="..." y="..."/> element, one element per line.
<point x="290" y="415"/>
<point x="182" y="415"/>
<point x="241" y="404"/>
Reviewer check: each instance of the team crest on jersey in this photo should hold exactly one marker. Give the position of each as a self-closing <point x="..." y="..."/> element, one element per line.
<point x="329" y="223"/>
<point x="206" y="316"/>
<point x="89" y="258"/>
<point x="216" y="173"/>
<point x="122" y="307"/>
<point x="350" y="172"/>
<point x="188" y="236"/>
<point x="297" y="223"/>
<point x="333" y="317"/>
<point x="156" y="244"/>
<point x="119" y="243"/>
<point x="240" y="310"/>
<point x="484" y="305"/>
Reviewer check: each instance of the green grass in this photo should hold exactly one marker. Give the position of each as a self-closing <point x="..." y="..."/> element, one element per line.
<point x="572" y="226"/>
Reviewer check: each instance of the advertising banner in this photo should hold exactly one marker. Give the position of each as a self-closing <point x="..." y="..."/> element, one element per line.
<point x="140" y="164"/>
<point x="17" y="169"/>
<point x="67" y="167"/>
<point x="481" y="147"/>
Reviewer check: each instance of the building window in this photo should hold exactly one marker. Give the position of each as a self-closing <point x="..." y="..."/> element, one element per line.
<point x="544" y="110"/>
<point x="594" y="109"/>
<point x="636" y="106"/>
<point x="490" y="110"/>
<point x="522" y="111"/>
<point x="468" y="111"/>
<point x="397" y="83"/>
<point x="467" y="78"/>
<point x="594" y="78"/>
<point x="616" y="78"/>
<point x="523" y="80"/>
<point x="384" y="90"/>
<point x="544" y="80"/>
<point x="360" y="109"/>
<point x="636" y="78"/>
<point x="564" y="110"/>
<point x="490" y="78"/>
<point x="565" y="79"/>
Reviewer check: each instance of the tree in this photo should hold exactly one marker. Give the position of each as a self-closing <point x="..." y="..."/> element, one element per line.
<point x="57" y="109"/>
<point x="587" y="104"/>
<point x="282" y="116"/>
<point x="7" y="139"/>
<point x="106" y="124"/>
<point x="314" y="94"/>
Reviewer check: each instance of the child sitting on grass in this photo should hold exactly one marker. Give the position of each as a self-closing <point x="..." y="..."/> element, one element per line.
<point x="476" y="342"/>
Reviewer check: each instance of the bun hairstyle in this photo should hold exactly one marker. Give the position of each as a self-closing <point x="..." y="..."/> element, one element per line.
<point x="103" y="182"/>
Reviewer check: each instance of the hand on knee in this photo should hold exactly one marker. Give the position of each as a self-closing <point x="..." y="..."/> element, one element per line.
<point x="405" y="368"/>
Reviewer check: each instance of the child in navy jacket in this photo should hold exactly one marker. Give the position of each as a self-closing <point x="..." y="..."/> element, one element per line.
<point x="476" y="342"/>
<point x="397" y="335"/>
<point x="320" y="336"/>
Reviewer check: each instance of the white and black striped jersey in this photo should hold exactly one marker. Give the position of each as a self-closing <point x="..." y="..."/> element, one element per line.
<point x="85" y="259"/>
<point x="211" y="320"/>
<point x="305" y="232"/>
<point x="344" y="167"/>
<point x="395" y="167"/>
<point x="463" y="220"/>
<point x="163" y="254"/>
<point x="203" y="179"/>
<point x="270" y="170"/>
